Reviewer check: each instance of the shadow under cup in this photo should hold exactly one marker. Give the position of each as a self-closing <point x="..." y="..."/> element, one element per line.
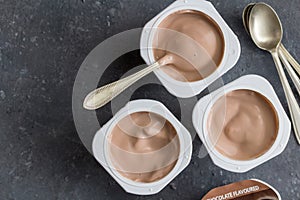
<point x="143" y="147"/>
<point x="193" y="40"/>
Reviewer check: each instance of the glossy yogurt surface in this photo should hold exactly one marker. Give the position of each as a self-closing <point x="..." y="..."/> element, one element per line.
<point x="194" y="41"/>
<point x="144" y="147"/>
<point x="242" y="125"/>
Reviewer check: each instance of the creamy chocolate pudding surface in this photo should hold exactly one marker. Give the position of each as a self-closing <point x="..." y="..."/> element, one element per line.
<point x="242" y="125"/>
<point x="144" y="147"/>
<point x="194" y="40"/>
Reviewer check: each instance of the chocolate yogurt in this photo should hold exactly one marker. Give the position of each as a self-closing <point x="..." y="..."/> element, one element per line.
<point x="242" y="125"/>
<point x="144" y="147"/>
<point x="199" y="49"/>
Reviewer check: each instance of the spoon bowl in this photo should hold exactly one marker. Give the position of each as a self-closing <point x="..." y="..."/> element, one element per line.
<point x="245" y="16"/>
<point x="265" y="27"/>
<point x="283" y="51"/>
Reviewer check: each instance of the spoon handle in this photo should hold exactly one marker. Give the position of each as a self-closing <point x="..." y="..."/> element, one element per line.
<point x="290" y="58"/>
<point x="101" y="96"/>
<point x="291" y="100"/>
<point x="290" y="71"/>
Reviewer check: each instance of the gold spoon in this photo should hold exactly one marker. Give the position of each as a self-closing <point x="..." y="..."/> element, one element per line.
<point x="245" y="16"/>
<point x="283" y="51"/>
<point x="290" y="58"/>
<point x="266" y="32"/>
<point x="179" y="47"/>
<point x="101" y="96"/>
<point x="282" y="55"/>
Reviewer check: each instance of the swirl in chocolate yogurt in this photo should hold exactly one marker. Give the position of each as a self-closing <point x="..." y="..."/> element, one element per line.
<point x="144" y="147"/>
<point x="242" y="125"/>
<point x="194" y="41"/>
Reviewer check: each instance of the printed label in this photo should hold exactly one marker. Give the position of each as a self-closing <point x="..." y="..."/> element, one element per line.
<point x="245" y="190"/>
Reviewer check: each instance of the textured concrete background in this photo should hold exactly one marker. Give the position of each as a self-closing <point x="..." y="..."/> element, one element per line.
<point x="43" y="43"/>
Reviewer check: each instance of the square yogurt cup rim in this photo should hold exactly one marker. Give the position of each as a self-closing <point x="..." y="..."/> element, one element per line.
<point x="249" y="82"/>
<point x="185" y="143"/>
<point x="201" y="6"/>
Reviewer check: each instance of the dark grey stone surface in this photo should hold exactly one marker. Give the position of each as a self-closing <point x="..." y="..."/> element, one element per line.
<point x="42" y="45"/>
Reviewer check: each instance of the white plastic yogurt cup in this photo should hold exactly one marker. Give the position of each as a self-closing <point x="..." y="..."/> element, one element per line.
<point x="231" y="52"/>
<point x="248" y="82"/>
<point x="101" y="147"/>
